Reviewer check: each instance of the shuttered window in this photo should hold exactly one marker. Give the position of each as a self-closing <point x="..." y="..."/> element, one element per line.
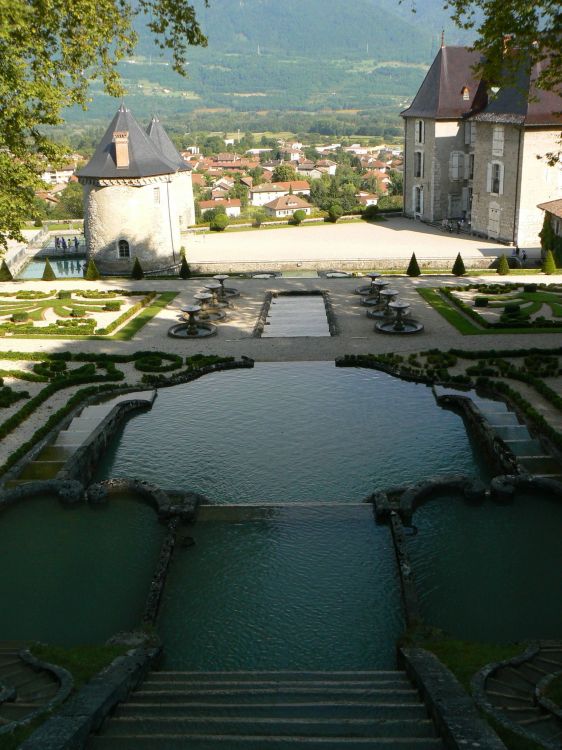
<point x="495" y="178"/>
<point x="497" y="140"/>
<point x="418" y="164"/>
<point x="456" y="165"/>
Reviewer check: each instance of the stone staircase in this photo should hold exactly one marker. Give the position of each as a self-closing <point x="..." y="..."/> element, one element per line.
<point x="511" y="691"/>
<point x="270" y="711"/>
<point x="23" y="689"/>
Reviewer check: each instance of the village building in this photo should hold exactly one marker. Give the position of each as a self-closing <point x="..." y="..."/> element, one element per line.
<point x="138" y="197"/>
<point x="267" y="192"/>
<point x="286" y="205"/>
<point x="553" y="211"/>
<point x="476" y="156"/>
<point x="232" y="206"/>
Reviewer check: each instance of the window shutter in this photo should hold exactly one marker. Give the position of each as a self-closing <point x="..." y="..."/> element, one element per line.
<point x="464" y="200"/>
<point x="467" y="129"/>
<point x="472" y="133"/>
<point x="501" y="180"/>
<point x="460" y="168"/>
<point x="421" y="201"/>
<point x="489" y="179"/>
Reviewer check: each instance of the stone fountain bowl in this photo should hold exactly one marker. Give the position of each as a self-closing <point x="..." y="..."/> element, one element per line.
<point x="203" y="330"/>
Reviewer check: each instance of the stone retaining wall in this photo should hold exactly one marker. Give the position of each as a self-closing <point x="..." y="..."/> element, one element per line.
<point x="270" y="294"/>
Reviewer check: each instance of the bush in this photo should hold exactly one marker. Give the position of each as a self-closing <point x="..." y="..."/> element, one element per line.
<point x="531" y="288"/>
<point x="503" y="266"/>
<point x="112" y="306"/>
<point x="158" y="362"/>
<point x="413" y="267"/>
<point x="64" y="294"/>
<point x="5" y="273"/>
<point x="257" y="222"/>
<point x="38" y="223"/>
<point x="370" y="213"/>
<point x="512" y="307"/>
<point x="19" y="317"/>
<point x="185" y="271"/>
<point x="48" y="273"/>
<point x="335" y="212"/>
<point x="458" y="266"/>
<point x="481" y="302"/>
<point x="137" y="273"/>
<point x="219" y="223"/>
<point x="549" y="266"/>
<point x="298" y="217"/>
<point x="91" y="273"/>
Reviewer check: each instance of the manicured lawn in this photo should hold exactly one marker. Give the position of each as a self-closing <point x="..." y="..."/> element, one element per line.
<point x="133" y="326"/>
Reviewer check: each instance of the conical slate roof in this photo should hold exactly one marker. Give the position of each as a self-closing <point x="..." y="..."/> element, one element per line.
<point x="145" y="158"/>
<point x="440" y="97"/>
<point x="163" y="143"/>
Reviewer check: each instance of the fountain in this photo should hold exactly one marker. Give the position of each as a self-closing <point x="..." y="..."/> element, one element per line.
<point x="368" y="288"/>
<point x="194" y="328"/>
<point x="374" y="298"/>
<point x="208" y="312"/>
<point x="225" y="292"/>
<point x="386" y="297"/>
<point x="400" y="324"/>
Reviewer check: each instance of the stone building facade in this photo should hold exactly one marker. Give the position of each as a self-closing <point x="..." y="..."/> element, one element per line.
<point x="138" y="197"/>
<point x="479" y="157"/>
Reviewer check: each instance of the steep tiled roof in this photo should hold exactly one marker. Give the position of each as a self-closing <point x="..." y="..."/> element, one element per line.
<point x="145" y="158"/>
<point x="162" y="141"/>
<point x="286" y="202"/>
<point x="553" y="207"/>
<point x="440" y="96"/>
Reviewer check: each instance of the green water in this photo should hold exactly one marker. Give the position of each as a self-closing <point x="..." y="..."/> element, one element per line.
<point x="289" y="432"/>
<point x="64" y="268"/>
<point x="296" y="588"/>
<point x="76" y="575"/>
<point x="493" y="572"/>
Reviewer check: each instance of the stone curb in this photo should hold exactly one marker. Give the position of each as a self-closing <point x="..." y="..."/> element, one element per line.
<point x="79" y="717"/>
<point x="407" y="585"/>
<point x="542" y="700"/>
<point x="158" y="583"/>
<point x="452" y="710"/>
<point x="270" y="294"/>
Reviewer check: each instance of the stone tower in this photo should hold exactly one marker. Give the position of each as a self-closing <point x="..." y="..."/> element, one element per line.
<point x="138" y="197"/>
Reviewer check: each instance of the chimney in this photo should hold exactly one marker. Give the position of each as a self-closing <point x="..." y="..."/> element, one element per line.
<point x="121" y="141"/>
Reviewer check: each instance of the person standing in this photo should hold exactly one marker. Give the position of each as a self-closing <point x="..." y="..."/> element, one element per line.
<point x="76" y="243"/>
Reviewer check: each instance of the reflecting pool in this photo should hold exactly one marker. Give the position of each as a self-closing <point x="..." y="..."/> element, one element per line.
<point x="75" y="575"/>
<point x="493" y="572"/>
<point x="64" y="268"/>
<point x="286" y="432"/>
<point x="310" y="588"/>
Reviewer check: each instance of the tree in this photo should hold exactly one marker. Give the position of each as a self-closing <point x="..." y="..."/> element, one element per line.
<point x="48" y="66"/>
<point x="549" y="266"/>
<point x="284" y="173"/>
<point x="413" y="267"/>
<point x="219" y="223"/>
<point x="503" y="266"/>
<point x="185" y="271"/>
<point x="458" y="266"/>
<point x="298" y="217"/>
<point x="211" y="213"/>
<point x="396" y="184"/>
<point x="335" y="212"/>
<point x="48" y="273"/>
<point x="371" y="213"/>
<point x="71" y="203"/>
<point x="137" y="273"/>
<point x="5" y="273"/>
<point x="91" y="273"/>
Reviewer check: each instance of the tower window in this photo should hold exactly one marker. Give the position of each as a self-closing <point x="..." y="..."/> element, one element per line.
<point x="157" y="195"/>
<point x="465" y="93"/>
<point x="124" y="251"/>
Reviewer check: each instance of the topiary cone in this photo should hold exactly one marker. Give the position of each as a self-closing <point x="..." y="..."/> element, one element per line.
<point x="137" y="273"/>
<point x="503" y="266"/>
<point x="413" y="267"/>
<point x="185" y="271"/>
<point x="91" y="273"/>
<point x="5" y="273"/>
<point x="48" y="273"/>
<point x="549" y="266"/>
<point x="458" y="266"/>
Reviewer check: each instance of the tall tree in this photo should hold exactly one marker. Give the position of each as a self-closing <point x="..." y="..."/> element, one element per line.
<point x="49" y="54"/>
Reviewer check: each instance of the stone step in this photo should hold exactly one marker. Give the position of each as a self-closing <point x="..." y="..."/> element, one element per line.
<point x="72" y="438"/>
<point x="547" y="662"/>
<point x="525" y="447"/>
<point x="508" y="688"/>
<point x="279" y="727"/>
<point x="371" y="676"/>
<point x="178" y="683"/>
<point x="500" y="419"/>
<point x="512" y="676"/>
<point x="246" y="742"/>
<point x="322" y="709"/>
<point x="54" y="453"/>
<point x="541" y="465"/>
<point x="249" y="695"/>
<point x="41" y="470"/>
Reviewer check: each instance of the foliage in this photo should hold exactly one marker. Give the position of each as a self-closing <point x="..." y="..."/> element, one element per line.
<point x="503" y="266"/>
<point x="185" y="271"/>
<point x="219" y="223"/>
<point x="91" y="273"/>
<point x="335" y="212"/>
<point x="284" y="173"/>
<point x="83" y="662"/>
<point x="137" y="273"/>
<point x="549" y="266"/>
<point x="5" y="273"/>
<point x="211" y="213"/>
<point x="48" y="66"/>
<point x="48" y="273"/>
<point x="413" y="267"/>
<point x="158" y="362"/>
<point x="70" y="205"/>
<point x="8" y="396"/>
<point x="370" y="213"/>
<point x="458" y="266"/>
<point x="298" y="217"/>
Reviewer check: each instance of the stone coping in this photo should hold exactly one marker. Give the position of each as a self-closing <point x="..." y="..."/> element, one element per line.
<point x="452" y="710"/>
<point x="330" y="314"/>
<point x="540" y="690"/>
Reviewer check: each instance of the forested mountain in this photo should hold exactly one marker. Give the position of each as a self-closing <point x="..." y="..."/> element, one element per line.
<point x="363" y="57"/>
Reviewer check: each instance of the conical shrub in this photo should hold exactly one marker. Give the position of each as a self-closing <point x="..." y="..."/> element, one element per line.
<point x="137" y="273"/>
<point x="5" y="273"/>
<point x="458" y="267"/>
<point x="503" y="266"/>
<point x="549" y="266"/>
<point x="413" y="267"/>
<point x="91" y="273"/>
<point x="185" y="271"/>
<point x="48" y="273"/>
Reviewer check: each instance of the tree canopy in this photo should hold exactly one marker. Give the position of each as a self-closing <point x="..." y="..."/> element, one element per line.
<point x="49" y="55"/>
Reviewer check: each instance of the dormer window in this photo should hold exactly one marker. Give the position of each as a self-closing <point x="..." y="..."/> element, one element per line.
<point x="465" y="93"/>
